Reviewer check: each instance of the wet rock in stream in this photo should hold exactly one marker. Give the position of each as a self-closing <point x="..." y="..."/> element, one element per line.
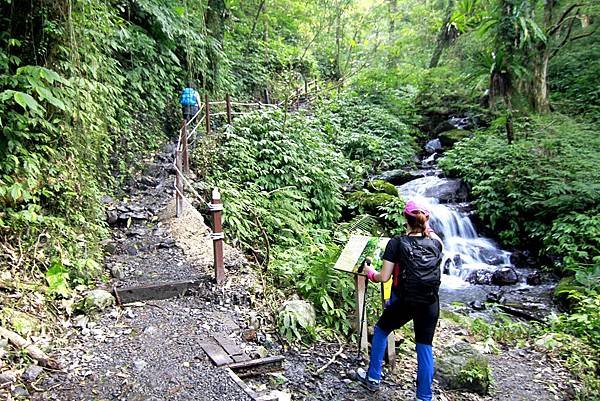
<point x="505" y="276"/>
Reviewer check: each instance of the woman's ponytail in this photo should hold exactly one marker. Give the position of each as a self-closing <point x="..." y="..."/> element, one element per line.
<point x="418" y="223"/>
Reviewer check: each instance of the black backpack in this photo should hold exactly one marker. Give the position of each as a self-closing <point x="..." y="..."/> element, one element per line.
<point x="419" y="275"/>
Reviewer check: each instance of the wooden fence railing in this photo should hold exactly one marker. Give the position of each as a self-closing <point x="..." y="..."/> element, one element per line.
<point x="203" y="121"/>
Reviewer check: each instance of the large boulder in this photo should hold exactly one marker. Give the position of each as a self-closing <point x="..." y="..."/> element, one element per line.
<point x="448" y="190"/>
<point x="462" y="367"/>
<point x="534" y="278"/>
<point x="491" y="256"/>
<point x="433" y="146"/>
<point x="482" y="276"/>
<point x="523" y="259"/>
<point x="505" y="276"/>
<point x="381" y="186"/>
<point x="399" y="177"/>
<point x="300" y="311"/>
<point x="369" y="202"/>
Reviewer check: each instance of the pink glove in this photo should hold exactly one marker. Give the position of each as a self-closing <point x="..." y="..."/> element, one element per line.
<point x="370" y="273"/>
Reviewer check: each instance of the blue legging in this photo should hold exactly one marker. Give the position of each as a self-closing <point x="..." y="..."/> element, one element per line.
<point x="395" y="315"/>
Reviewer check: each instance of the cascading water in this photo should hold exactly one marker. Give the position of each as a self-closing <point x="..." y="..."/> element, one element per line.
<point x="469" y="258"/>
<point x="465" y="252"/>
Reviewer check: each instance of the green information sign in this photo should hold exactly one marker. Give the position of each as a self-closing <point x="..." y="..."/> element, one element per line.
<point x="358" y="248"/>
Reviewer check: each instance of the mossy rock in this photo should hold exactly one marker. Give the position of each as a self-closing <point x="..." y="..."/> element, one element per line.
<point x="462" y="367"/>
<point x="370" y="202"/>
<point x="381" y="186"/>
<point x="449" y="138"/>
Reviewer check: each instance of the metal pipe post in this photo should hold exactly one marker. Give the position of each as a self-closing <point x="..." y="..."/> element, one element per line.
<point x="178" y="185"/>
<point x="228" y="105"/>
<point x="207" y="113"/>
<point x="217" y="236"/>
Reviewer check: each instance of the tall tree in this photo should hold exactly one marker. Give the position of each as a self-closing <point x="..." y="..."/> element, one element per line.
<point x="561" y="22"/>
<point x="447" y="34"/>
<point x="502" y="71"/>
<point x="215" y="21"/>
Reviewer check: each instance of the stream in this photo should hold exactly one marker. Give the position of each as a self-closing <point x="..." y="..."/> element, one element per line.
<point x="475" y="268"/>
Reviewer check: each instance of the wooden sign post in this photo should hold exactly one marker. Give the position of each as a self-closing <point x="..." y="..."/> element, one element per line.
<point x="357" y="249"/>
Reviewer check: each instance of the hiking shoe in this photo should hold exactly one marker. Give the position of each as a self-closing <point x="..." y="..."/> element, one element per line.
<point x="367" y="382"/>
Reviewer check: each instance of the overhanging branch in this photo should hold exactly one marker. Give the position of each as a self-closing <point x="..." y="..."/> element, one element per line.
<point x="563" y="18"/>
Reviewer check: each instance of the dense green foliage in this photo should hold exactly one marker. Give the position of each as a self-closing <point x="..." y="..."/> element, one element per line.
<point x="278" y="169"/>
<point x="543" y="191"/>
<point x="369" y="134"/>
<point x="551" y="173"/>
<point x="89" y="88"/>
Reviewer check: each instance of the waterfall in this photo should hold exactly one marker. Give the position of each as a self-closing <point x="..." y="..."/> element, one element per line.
<point x="465" y="252"/>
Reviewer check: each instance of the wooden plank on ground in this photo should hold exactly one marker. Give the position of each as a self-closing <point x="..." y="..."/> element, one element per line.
<point x="156" y="291"/>
<point x="228" y="344"/>
<point x="217" y="354"/>
<point x="259" y="366"/>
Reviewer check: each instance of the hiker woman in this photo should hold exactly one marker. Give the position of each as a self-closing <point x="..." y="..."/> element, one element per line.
<point x="413" y="260"/>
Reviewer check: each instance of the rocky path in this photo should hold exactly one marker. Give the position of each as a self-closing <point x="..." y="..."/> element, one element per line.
<point x="518" y="374"/>
<point x="153" y="350"/>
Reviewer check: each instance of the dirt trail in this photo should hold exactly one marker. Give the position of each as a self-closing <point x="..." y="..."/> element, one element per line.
<point x="152" y="350"/>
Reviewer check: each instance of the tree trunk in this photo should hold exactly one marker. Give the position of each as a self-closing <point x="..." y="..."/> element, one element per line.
<point x="260" y="8"/>
<point x="215" y="24"/>
<point x="393" y="11"/>
<point x="393" y="8"/>
<point x="338" y="39"/>
<point x="539" y="84"/>
<point x="444" y="38"/>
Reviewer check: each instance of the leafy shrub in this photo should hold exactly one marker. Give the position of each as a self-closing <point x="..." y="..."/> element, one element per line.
<point x="584" y="319"/>
<point x="545" y="186"/>
<point x="293" y="329"/>
<point x="369" y="134"/>
<point x="83" y="100"/>
<point x="576" y="237"/>
<point x="569" y="76"/>
<point x="389" y="89"/>
<point x="580" y="358"/>
<point x="309" y="271"/>
<point x="444" y="91"/>
<point x="476" y="372"/>
<point x="278" y="169"/>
